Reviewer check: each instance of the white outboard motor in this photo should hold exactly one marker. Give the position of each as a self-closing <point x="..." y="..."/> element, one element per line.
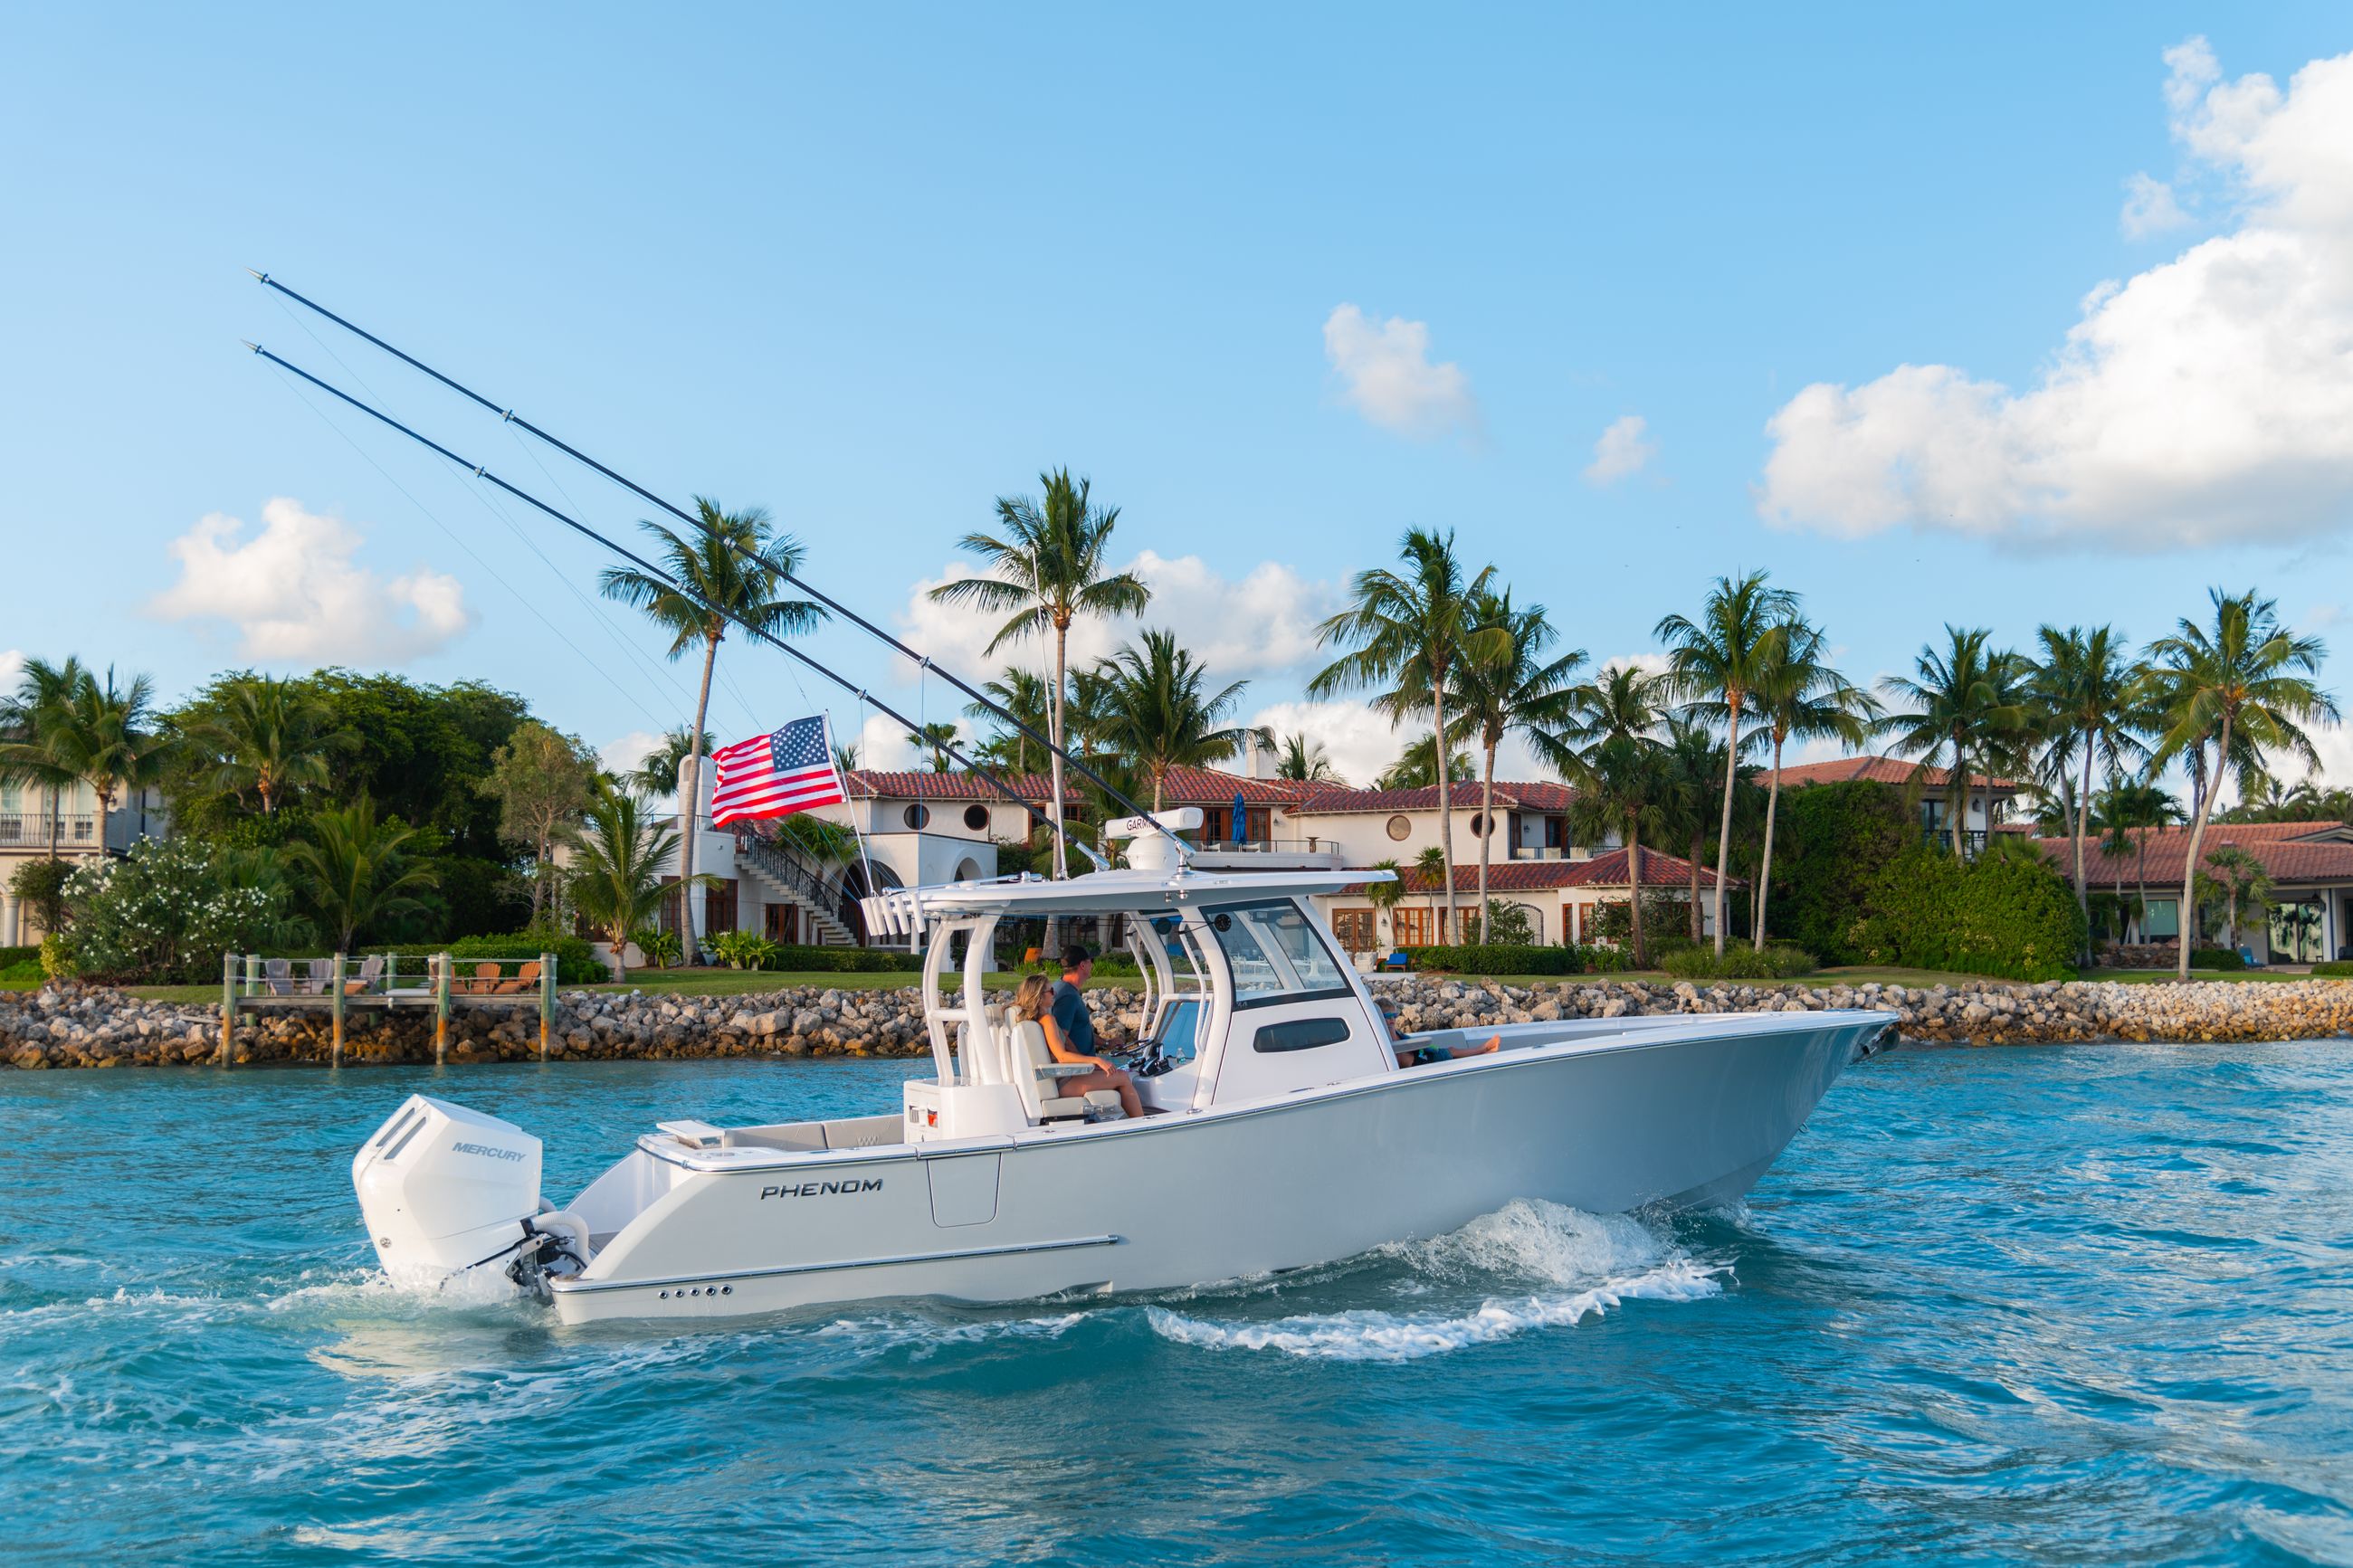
<point x="444" y="1188"/>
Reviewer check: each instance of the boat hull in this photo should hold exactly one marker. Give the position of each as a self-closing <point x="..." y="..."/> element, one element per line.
<point x="1667" y="1118"/>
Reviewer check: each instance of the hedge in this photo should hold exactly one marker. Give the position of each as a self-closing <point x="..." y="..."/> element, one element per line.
<point x="2222" y="958"/>
<point x="843" y="961"/>
<point x="12" y="956"/>
<point x="1505" y="958"/>
<point x="2335" y="969"/>
<point x="1778" y="961"/>
<point x="2012" y="919"/>
<point x="1832" y="842"/>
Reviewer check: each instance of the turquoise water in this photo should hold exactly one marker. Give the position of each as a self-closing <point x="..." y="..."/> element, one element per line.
<point x="2093" y="1304"/>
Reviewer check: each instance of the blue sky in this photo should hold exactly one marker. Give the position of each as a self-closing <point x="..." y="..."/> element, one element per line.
<point x="872" y="269"/>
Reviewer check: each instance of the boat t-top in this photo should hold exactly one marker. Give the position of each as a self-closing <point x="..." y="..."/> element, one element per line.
<point x="1279" y="1128"/>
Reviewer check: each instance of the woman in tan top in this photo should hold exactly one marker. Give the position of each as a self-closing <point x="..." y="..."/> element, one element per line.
<point x="1034" y="1003"/>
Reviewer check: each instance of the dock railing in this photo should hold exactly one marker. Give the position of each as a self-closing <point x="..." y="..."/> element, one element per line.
<point x="339" y="983"/>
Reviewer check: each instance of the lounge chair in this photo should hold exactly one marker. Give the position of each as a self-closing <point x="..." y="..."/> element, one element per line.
<point x="485" y="980"/>
<point x="322" y="973"/>
<point x="1397" y="960"/>
<point x="371" y="971"/>
<point x="279" y="973"/>
<point x="526" y="978"/>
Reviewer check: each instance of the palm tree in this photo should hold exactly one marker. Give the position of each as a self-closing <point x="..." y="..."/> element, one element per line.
<point x="1692" y="760"/>
<point x="1049" y="565"/>
<point x="1023" y="694"/>
<point x="2082" y="690"/>
<point x="617" y="881"/>
<point x="2234" y="880"/>
<point x="1387" y="896"/>
<point x="1514" y="689"/>
<point x="2131" y="811"/>
<point x="1715" y="664"/>
<point x="27" y="719"/>
<point x="1799" y="696"/>
<point x="935" y="738"/>
<point x="728" y="574"/>
<point x="657" y="776"/>
<point x="1161" y="714"/>
<point x="269" y="736"/>
<point x="1406" y="631"/>
<point x="106" y="735"/>
<point x="1619" y="783"/>
<point x="1968" y="697"/>
<point x="1417" y="768"/>
<point x="845" y="757"/>
<point x="2241" y="683"/>
<point x="1304" y="761"/>
<point x="356" y="871"/>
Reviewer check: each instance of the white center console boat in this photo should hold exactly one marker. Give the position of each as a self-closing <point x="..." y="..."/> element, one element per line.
<point x="1280" y="1130"/>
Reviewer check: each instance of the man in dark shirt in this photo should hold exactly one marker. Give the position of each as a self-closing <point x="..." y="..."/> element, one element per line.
<point x="1070" y="1014"/>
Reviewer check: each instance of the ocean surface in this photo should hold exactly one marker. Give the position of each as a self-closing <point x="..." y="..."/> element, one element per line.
<point x="2091" y="1304"/>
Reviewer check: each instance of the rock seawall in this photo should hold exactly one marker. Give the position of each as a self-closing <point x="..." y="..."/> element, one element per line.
<point x="70" y="1028"/>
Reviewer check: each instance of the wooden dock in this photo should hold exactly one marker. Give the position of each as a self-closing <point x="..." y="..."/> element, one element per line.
<point x="340" y="983"/>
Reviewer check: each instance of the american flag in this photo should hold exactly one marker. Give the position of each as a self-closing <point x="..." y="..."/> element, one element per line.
<point x="774" y="775"/>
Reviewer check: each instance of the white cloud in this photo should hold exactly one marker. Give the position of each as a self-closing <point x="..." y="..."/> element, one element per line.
<point x="1263" y="624"/>
<point x="2207" y="399"/>
<point x="1360" y="742"/>
<point x="2149" y="208"/>
<point x="1387" y="377"/>
<point x="1622" y="451"/>
<point x="294" y="591"/>
<point x="882" y="741"/>
<point x="629" y="754"/>
<point x="12" y="665"/>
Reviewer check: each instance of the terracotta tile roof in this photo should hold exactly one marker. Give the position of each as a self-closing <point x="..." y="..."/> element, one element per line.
<point x="1538" y="795"/>
<point x="2291" y="852"/>
<point x="1876" y="770"/>
<point x="1606" y="870"/>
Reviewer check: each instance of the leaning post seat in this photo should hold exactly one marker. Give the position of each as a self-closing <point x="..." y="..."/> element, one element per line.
<point x="1037" y="1077"/>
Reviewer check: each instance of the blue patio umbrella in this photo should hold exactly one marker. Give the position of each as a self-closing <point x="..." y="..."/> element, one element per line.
<point x="1241" y="817"/>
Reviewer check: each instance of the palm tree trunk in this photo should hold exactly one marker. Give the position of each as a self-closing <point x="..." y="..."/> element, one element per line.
<point x="1957" y="791"/>
<point x="2082" y="821"/>
<point x="691" y="790"/>
<point x="1486" y="839"/>
<point x="2140" y="881"/>
<point x="1723" y="831"/>
<point x="1634" y="885"/>
<point x="56" y="807"/>
<point x="2186" y="921"/>
<point x="1765" y="870"/>
<point x="1698" y="842"/>
<point x="1054" y="806"/>
<point x="1445" y="799"/>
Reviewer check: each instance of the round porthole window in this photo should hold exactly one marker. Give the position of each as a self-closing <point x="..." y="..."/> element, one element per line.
<point x="1400" y="827"/>
<point x="917" y="816"/>
<point x="977" y="818"/>
<point x="1478" y="825"/>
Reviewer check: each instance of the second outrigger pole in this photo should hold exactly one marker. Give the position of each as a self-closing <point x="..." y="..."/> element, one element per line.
<point x="922" y="661"/>
<point x="648" y="567"/>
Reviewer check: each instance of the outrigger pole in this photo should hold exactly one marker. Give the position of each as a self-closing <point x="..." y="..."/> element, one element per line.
<point x="648" y="567"/>
<point x="922" y="660"/>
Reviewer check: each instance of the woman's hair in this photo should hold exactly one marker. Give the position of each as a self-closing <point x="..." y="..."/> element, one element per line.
<point x="1034" y="1000"/>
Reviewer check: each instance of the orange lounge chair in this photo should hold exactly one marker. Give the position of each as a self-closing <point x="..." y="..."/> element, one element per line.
<point x="485" y="980"/>
<point x="526" y="978"/>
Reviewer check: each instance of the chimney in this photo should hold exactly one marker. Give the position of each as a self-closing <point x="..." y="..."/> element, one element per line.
<point x="1252" y="760"/>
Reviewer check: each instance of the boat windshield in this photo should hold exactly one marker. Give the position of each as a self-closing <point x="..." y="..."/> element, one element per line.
<point x="1275" y="955"/>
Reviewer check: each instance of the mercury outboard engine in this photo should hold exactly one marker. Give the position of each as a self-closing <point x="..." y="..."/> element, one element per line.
<point x="445" y="1189"/>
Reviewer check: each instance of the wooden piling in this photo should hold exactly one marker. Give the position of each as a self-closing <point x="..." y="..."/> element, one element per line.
<point x="440" y="1008"/>
<point x="335" y="1007"/>
<point x="547" y="1000"/>
<point x="229" y="1008"/>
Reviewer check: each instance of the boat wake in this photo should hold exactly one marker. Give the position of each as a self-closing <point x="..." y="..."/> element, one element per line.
<point x="1574" y="1265"/>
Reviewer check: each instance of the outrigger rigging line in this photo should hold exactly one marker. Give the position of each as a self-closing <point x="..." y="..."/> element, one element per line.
<point x="922" y="661"/>
<point x="652" y="570"/>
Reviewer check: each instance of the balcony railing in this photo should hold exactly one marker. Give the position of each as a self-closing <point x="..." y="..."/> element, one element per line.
<point x="1973" y="840"/>
<point x="32" y="828"/>
<point x="1538" y="852"/>
<point x="1268" y="846"/>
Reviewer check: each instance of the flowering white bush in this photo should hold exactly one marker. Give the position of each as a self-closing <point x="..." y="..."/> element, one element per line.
<point x="162" y="913"/>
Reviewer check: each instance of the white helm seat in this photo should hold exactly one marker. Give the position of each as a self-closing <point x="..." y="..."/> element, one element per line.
<point x="1039" y="1079"/>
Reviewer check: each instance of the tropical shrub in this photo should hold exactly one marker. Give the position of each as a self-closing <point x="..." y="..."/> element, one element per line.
<point x="2220" y="958"/>
<point x="1665" y="911"/>
<point x="1778" y="961"/>
<point x="12" y="956"/>
<point x="24" y="975"/>
<point x="1505" y="925"/>
<point x="741" y="949"/>
<point x="2335" y="969"/>
<point x="161" y="913"/>
<point x="57" y="961"/>
<point x="843" y="961"/>
<point x="40" y="887"/>
<point x="1119" y="965"/>
<point x="662" y="949"/>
